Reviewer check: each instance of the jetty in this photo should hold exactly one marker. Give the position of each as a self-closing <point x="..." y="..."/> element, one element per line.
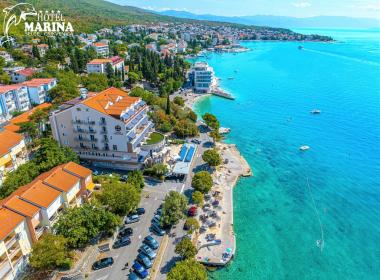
<point x="222" y="93"/>
<point x="220" y="250"/>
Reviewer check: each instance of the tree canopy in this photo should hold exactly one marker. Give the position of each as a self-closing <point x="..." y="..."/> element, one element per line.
<point x="212" y="157"/>
<point x="80" y="224"/>
<point x="136" y="179"/>
<point x="173" y="208"/>
<point x="187" y="270"/>
<point x="186" y="249"/>
<point x="51" y="252"/>
<point x="202" y="181"/>
<point x="198" y="198"/>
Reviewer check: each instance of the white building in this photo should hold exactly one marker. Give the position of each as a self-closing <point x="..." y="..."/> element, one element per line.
<point x="203" y="77"/>
<point x="38" y="89"/>
<point x="21" y="75"/>
<point x="99" y="65"/>
<point x="107" y="129"/>
<point x="13" y="98"/>
<point x="101" y="49"/>
<point x="7" y="57"/>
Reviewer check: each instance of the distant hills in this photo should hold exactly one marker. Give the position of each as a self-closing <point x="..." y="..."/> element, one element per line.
<point x="284" y="22"/>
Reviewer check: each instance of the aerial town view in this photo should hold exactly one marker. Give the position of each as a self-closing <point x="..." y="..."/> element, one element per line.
<point x="189" y="140"/>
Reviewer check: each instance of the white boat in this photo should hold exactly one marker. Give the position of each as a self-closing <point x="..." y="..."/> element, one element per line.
<point x="224" y="130"/>
<point x="315" y="111"/>
<point x="304" y="148"/>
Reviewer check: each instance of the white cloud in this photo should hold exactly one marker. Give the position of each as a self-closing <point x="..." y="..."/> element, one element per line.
<point x="301" y="4"/>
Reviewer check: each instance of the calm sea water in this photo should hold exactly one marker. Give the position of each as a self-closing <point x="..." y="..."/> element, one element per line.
<point x="281" y="221"/>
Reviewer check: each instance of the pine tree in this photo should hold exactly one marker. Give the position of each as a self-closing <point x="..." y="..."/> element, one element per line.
<point x="36" y="52"/>
<point x="167" y="105"/>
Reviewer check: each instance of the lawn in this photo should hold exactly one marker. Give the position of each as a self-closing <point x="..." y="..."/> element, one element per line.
<point x="154" y="138"/>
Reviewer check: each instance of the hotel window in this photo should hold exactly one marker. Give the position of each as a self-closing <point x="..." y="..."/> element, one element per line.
<point x="92" y="137"/>
<point x="114" y="147"/>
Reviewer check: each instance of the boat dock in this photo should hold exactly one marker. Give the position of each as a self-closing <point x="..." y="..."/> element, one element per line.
<point x="221" y="93"/>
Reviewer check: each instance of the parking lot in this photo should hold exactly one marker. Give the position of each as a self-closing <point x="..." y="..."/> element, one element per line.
<point x="151" y="200"/>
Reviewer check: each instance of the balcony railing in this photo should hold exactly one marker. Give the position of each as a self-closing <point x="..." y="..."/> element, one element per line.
<point x="81" y="139"/>
<point x="83" y="122"/>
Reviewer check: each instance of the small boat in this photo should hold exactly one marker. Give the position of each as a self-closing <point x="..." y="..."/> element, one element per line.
<point x="224" y="130"/>
<point x="315" y="111"/>
<point x="230" y="78"/>
<point x="304" y="148"/>
<point x="300" y="47"/>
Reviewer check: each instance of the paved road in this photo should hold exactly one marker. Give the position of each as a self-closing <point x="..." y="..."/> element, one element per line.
<point x="154" y="194"/>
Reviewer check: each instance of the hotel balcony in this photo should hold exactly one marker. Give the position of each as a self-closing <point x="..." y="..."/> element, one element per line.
<point x="39" y="231"/>
<point x="5" y="267"/>
<point x="14" y="250"/>
<point x="10" y="240"/>
<point x="83" y="122"/>
<point x="82" y="130"/>
<point x="82" y="139"/>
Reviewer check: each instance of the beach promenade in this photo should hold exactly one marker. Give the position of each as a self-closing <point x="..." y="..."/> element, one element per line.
<point x="216" y="252"/>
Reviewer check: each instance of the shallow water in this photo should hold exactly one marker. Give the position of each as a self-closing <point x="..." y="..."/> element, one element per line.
<point x="276" y="85"/>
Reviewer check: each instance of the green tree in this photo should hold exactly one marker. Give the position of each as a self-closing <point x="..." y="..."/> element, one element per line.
<point x="167" y="105"/>
<point x="185" y="128"/>
<point x="185" y="248"/>
<point x="133" y="77"/>
<point x="36" y="52"/>
<point x="215" y="135"/>
<point x="179" y="101"/>
<point x="192" y="224"/>
<point x="198" y="198"/>
<point x="173" y="208"/>
<point x="202" y="181"/>
<point x="212" y="157"/>
<point x="80" y="224"/>
<point x="51" y="252"/>
<point x="5" y="79"/>
<point x="157" y="170"/>
<point x="95" y="82"/>
<point x="109" y="71"/>
<point x="136" y="179"/>
<point x="187" y="270"/>
<point x="120" y="198"/>
<point x="211" y="121"/>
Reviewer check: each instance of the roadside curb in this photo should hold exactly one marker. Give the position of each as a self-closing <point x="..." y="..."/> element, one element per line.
<point x="158" y="260"/>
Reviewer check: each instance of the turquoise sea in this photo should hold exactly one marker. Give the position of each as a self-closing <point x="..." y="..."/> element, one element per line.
<point x="287" y="229"/>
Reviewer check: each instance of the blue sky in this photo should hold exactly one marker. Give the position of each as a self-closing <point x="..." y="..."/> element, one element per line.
<point x="296" y="8"/>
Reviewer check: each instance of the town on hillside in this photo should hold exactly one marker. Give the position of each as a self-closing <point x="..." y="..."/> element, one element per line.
<point x="105" y="170"/>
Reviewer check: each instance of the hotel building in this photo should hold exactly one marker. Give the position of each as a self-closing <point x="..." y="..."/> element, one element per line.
<point x="99" y="65"/>
<point x="13" y="152"/>
<point x="203" y="77"/>
<point x="13" y="98"/>
<point x="33" y="209"/>
<point x="101" y="49"/>
<point x="106" y="129"/>
<point x="38" y="89"/>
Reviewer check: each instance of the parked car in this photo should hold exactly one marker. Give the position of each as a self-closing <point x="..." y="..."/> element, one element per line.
<point x="159" y="211"/>
<point x="140" y="211"/>
<point x="124" y="241"/>
<point x="156" y="229"/>
<point x="132" y="219"/>
<point x="133" y="276"/>
<point x="156" y="219"/>
<point x="140" y="270"/>
<point x="192" y="211"/>
<point x="151" y="242"/>
<point x="125" y="232"/>
<point x="102" y="263"/>
<point x="144" y="260"/>
<point x="147" y="251"/>
<point x="196" y="141"/>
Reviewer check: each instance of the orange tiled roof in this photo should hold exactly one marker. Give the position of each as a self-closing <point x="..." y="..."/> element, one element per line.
<point x="22" y="207"/>
<point x="40" y="194"/>
<point x="27" y="72"/>
<point x="61" y="180"/>
<point x="77" y="169"/>
<point x="100" y="44"/>
<point x="100" y="61"/>
<point x="4" y="89"/>
<point x="38" y="82"/>
<point x="9" y="221"/>
<point x="24" y="117"/>
<point x="8" y="140"/>
<point x="111" y="101"/>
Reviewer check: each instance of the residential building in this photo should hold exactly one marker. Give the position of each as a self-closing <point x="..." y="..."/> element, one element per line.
<point x="38" y="89"/>
<point x="33" y="209"/>
<point x="42" y="49"/>
<point x="106" y="129"/>
<point x="203" y="77"/>
<point x="99" y="65"/>
<point x="20" y="76"/>
<point x="13" y="152"/>
<point x="13" y="98"/>
<point x="101" y="49"/>
<point x="7" y="57"/>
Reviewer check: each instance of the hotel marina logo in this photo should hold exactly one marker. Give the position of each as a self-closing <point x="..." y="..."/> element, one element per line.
<point x="35" y="22"/>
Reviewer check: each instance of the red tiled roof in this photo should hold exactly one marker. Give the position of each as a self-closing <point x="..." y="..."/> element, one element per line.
<point x="100" y="44"/>
<point x="27" y="72"/>
<point x="38" y="82"/>
<point x="9" y="221"/>
<point x="4" y="89"/>
<point x="8" y="140"/>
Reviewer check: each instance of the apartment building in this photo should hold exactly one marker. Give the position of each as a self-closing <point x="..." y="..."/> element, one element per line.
<point x="203" y="77"/>
<point x="101" y="49"/>
<point x="21" y="75"/>
<point x="13" y="98"/>
<point x="38" y="89"/>
<point x="13" y="152"/>
<point x="99" y="65"/>
<point x="33" y="209"/>
<point x="106" y="129"/>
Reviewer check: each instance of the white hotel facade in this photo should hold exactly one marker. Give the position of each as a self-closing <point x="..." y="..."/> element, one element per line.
<point x="203" y="77"/>
<point x="106" y="129"/>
